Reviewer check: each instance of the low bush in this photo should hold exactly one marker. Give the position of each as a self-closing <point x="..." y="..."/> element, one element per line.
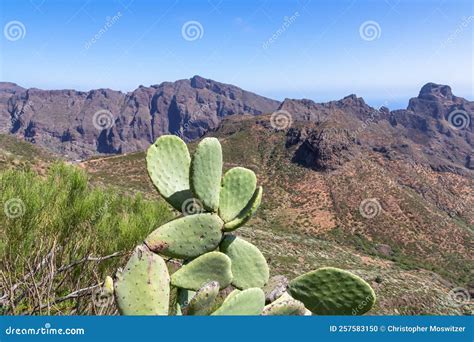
<point x="60" y="238"/>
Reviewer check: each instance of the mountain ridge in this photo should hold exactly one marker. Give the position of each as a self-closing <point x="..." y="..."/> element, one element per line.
<point x="79" y="124"/>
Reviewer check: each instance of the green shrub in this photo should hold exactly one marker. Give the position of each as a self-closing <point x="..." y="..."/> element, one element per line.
<point x="58" y="220"/>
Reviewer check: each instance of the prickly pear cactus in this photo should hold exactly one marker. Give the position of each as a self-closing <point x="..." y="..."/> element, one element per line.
<point x="249" y="266"/>
<point x="332" y="291"/>
<point x="143" y="288"/>
<point x="242" y="303"/>
<point x="289" y="307"/>
<point x="209" y="260"/>
<point x="246" y="213"/>
<point x="206" y="173"/>
<point x="212" y="266"/>
<point x="203" y="301"/>
<point x="187" y="237"/>
<point x="168" y="162"/>
<point x="238" y="187"/>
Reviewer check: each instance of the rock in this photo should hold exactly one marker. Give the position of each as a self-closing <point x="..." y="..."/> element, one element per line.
<point x="325" y="149"/>
<point x="383" y="249"/>
<point x="275" y="287"/>
<point x="469" y="162"/>
<point x="378" y="279"/>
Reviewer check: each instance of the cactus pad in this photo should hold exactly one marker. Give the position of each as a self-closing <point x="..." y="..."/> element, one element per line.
<point x="168" y="163"/>
<point x="212" y="266"/>
<point x="332" y="291"/>
<point x="143" y="287"/>
<point x="206" y="173"/>
<point x="289" y="307"/>
<point x="249" y="266"/>
<point x="247" y="212"/>
<point x="238" y="187"/>
<point x="187" y="237"/>
<point x="242" y="303"/>
<point x="203" y="301"/>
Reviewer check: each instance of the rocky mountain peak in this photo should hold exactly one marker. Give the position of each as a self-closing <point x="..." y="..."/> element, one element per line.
<point x="199" y="82"/>
<point x="10" y="87"/>
<point x="427" y="132"/>
<point x="433" y="91"/>
<point x="437" y="101"/>
<point x="353" y="100"/>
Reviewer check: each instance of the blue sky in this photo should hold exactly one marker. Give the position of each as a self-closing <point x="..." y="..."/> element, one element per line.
<point x="319" y="49"/>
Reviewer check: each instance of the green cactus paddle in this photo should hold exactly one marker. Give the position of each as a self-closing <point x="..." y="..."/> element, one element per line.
<point x="212" y="266"/>
<point x="206" y="173"/>
<point x="143" y="287"/>
<point x="168" y="163"/>
<point x="238" y="187"/>
<point x="203" y="301"/>
<point x="332" y="291"/>
<point x="242" y="303"/>
<point x="187" y="237"/>
<point x="246" y="213"/>
<point x="249" y="266"/>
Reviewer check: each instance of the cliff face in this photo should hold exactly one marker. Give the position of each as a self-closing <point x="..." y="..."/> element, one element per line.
<point x="80" y="124"/>
<point x="435" y="129"/>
